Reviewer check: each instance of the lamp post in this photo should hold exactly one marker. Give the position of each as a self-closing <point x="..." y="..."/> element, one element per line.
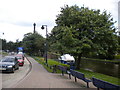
<point x="2" y="33"/>
<point x="46" y="46"/>
<point x="34" y="27"/>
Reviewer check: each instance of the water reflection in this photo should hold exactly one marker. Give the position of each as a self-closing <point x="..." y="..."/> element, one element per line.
<point x="101" y="67"/>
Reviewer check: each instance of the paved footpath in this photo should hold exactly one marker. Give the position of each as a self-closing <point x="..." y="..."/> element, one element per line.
<point x="40" y="78"/>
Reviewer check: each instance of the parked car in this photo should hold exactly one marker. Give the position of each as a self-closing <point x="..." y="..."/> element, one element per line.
<point x="11" y="53"/>
<point x="9" y="64"/>
<point x="20" y="55"/>
<point x="20" y="60"/>
<point x="20" y="52"/>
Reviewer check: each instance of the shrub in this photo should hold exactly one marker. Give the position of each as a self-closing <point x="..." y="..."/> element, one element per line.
<point x="117" y="56"/>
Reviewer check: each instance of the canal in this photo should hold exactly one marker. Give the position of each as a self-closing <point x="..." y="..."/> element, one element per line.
<point x="101" y="67"/>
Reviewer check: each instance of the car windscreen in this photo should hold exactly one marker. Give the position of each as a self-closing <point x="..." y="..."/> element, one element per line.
<point x="8" y="60"/>
<point x="19" y="57"/>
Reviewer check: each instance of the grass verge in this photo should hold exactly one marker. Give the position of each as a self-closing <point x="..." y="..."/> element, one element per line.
<point x="4" y="54"/>
<point x="89" y="74"/>
<point x="51" y="63"/>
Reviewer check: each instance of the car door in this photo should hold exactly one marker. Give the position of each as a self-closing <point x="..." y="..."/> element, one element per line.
<point x="16" y="63"/>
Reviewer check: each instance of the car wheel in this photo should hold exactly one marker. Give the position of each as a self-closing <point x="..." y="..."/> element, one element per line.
<point x="13" y="69"/>
<point x="17" y="68"/>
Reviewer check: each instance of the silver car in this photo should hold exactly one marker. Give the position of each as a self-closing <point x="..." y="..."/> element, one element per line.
<point x="9" y="64"/>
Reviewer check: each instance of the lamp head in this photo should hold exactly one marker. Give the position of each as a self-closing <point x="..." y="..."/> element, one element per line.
<point x="34" y="24"/>
<point x="42" y="27"/>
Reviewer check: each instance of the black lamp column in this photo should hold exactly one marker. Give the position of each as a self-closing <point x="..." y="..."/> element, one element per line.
<point x="34" y="27"/>
<point x="46" y="46"/>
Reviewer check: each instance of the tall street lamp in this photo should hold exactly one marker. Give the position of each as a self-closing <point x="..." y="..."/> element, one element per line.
<point x="1" y="33"/>
<point x="46" y="46"/>
<point x="34" y="27"/>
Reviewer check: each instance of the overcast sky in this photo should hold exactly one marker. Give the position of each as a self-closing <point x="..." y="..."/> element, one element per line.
<point x="17" y="16"/>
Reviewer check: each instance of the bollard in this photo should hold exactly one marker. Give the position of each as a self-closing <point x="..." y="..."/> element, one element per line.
<point x="54" y="69"/>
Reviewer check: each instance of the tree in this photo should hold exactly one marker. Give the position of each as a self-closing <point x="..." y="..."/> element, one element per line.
<point x="11" y="46"/>
<point x="80" y="31"/>
<point x="119" y="44"/>
<point x="54" y="41"/>
<point x="3" y="44"/>
<point x="33" y="43"/>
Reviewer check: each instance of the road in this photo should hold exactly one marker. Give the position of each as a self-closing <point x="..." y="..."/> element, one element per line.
<point x="10" y="79"/>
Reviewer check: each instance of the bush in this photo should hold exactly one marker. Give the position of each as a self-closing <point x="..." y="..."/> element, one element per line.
<point x="117" y="56"/>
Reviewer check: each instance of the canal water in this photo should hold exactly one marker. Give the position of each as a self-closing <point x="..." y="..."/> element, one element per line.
<point x="101" y="67"/>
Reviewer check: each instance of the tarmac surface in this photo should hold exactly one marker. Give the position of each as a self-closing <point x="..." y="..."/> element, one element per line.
<point x="38" y="77"/>
<point x="10" y="79"/>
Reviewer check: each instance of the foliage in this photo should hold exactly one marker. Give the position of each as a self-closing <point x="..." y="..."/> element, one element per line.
<point x="11" y="46"/>
<point x="80" y="31"/>
<point x="33" y="44"/>
<point x="117" y="56"/>
<point x="119" y="44"/>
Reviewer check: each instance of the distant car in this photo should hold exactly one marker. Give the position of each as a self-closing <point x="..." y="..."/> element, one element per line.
<point x="20" y="60"/>
<point x="12" y="53"/>
<point x="20" y="52"/>
<point x="20" y="55"/>
<point x="9" y="64"/>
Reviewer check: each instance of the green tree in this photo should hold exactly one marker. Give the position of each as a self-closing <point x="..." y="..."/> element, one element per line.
<point x="33" y="43"/>
<point x="3" y="44"/>
<point x="80" y="31"/>
<point x="54" y="41"/>
<point x="11" y="46"/>
<point x="119" y="44"/>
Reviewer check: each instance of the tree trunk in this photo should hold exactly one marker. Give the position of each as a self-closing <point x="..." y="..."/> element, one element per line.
<point x="78" y="60"/>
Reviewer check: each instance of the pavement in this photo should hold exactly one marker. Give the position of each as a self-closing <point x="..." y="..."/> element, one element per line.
<point x="38" y="77"/>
